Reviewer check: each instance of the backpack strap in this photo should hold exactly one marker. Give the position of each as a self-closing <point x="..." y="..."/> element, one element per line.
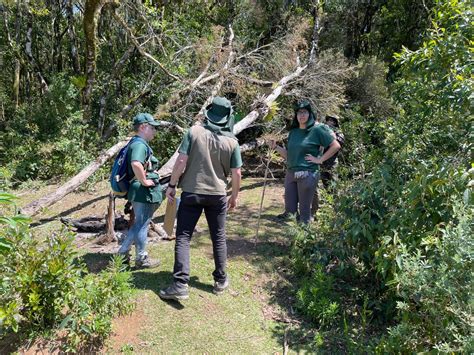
<point x="149" y="151"/>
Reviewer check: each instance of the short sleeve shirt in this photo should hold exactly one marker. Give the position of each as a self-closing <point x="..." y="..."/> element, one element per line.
<point x="140" y="151"/>
<point x="210" y="158"/>
<point x="307" y="141"/>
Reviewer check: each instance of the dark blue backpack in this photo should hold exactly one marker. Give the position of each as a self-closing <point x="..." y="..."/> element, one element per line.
<point x="119" y="178"/>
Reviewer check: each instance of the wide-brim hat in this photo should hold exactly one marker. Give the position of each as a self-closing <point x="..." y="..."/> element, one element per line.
<point x="219" y="111"/>
<point x="334" y="118"/>
<point x="145" y="118"/>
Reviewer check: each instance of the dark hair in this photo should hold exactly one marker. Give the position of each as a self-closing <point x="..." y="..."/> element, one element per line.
<point x="303" y="104"/>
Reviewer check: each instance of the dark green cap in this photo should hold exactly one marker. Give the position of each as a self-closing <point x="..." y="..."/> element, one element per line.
<point x="144" y="118"/>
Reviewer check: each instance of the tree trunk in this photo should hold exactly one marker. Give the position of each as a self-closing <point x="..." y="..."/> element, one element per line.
<point x="14" y="48"/>
<point x="91" y="17"/>
<point x="35" y="206"/>
<point x="29" y="53"/>
<point x="57" y="60"/>
<point x="103" y="99"/>
<point x="109" y="235"/>
<point x="16" y="81"/>
<point x="72" y="37"/>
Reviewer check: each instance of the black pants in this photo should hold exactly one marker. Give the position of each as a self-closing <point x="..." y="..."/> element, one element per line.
<point x="190" y="209"/>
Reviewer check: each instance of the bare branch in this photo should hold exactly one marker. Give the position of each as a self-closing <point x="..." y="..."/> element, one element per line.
<point x="35" y="206"/>
<point x="252" y="145"/>
<point x="217" y="87"/>
<point x="248" y="54"/>
<point x="265" y="83"/>
<point x="140" y="49"/>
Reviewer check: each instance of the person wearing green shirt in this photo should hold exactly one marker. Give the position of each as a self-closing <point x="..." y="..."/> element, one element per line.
<point x="207" y="156"/>
<point x="303" y="158"/>
<point x="144" y="192"/>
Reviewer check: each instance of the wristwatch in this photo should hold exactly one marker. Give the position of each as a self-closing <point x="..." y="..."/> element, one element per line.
<point x="172" y="186"/>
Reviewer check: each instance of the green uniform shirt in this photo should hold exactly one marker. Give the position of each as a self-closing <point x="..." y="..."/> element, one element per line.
<point x="210" y="158"/>
<point x="140" y="151"/>
<point x="306" y="141"/>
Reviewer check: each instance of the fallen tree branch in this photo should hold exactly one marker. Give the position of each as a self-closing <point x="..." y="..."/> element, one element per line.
<point x="261" y="110"/>
<point x="251" y="145"/>
<point x="217" y="87"/>
<point x="34" y="207"/>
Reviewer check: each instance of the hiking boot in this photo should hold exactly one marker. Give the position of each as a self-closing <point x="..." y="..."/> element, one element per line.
<point x="283" y="216"/>
<point x="176" y="291"/>
<point x="220" y="287"/>
<point x="146" y="263"/>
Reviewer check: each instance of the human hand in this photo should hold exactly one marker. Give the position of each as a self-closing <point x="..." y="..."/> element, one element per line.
<point x="231" y="203"/>
<point x="313" y="159"/>
<point x="170" y="194"/>
<point x="148" y="183"/>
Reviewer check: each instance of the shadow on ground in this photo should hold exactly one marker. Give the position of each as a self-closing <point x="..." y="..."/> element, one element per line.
<point x="157" y="280"/>
<point x="69" y="211"/>
<point x="96" y="262"/>
<point x="270" y="254"/>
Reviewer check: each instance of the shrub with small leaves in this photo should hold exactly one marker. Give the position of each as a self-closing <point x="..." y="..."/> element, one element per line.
<point x="316" y="298"/>
<point x="46" y="288"/>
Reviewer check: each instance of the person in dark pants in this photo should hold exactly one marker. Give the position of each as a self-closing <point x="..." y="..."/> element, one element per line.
<point x="207" y="155"/>
<point x="303" y="158"/>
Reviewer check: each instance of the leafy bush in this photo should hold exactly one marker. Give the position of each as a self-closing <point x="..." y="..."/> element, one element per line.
<point x="435" y="292"/>
<point x="45" y="288"/>
<point x="95" y="301"/>
<point x="48" y="138"/>
<point x="405" y="210"/>
<point x="319" y="243"/>
<point x="315" y="298"/>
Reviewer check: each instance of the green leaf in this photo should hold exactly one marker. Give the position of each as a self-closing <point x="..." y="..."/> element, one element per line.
<point x="79" y="81"/>
<point x="65" y="321"/>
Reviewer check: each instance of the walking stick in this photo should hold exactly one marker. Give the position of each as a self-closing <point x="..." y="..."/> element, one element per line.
<point x="269" y="158"/>
<point x="267" y="169"/>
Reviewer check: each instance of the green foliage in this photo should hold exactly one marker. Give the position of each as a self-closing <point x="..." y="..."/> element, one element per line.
<point x="386" y="215"/>
<point x="405" y="207"/>
<point x="378" y="27"/>
<point x="18" y="221"/>
<point x="434" y="291"/>
<point x="317" y="244"/>
<point x="164" y="145"/>
<point x="93" y="305"/>
<point x="368" y="89"/>
<point x="45" y="287"/>
<point x="48" y="138"/>
<point x="315" y="298"/>
<point x="436" y="88"/>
